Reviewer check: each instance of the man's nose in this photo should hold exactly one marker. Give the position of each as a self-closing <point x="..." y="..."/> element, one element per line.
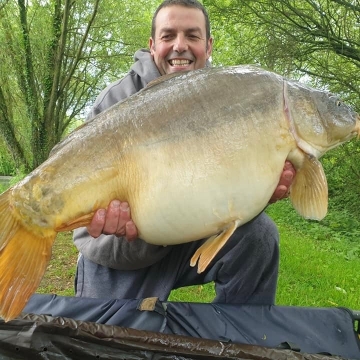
<point x="180" y="44"/>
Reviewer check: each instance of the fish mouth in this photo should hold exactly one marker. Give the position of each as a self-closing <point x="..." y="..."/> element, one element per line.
<point x="357" y="127"/>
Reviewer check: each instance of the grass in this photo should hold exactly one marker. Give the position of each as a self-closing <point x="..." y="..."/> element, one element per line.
<point x="319" y="264"/>
<point x="313" y="273"/>
<point x="60" y="274"/>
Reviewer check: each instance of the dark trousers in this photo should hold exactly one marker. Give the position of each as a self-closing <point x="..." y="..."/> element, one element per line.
<point x="244" y="271"/>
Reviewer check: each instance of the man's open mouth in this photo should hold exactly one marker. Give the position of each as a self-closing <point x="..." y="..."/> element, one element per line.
<point x="178" y="62"/>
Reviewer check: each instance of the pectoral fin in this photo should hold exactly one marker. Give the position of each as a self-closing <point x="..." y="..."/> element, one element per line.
<point x="309" y="190"/>
<point x="207" y="251"/>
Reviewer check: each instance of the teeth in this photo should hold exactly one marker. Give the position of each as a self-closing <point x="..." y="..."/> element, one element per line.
<point x="179" y="62"/>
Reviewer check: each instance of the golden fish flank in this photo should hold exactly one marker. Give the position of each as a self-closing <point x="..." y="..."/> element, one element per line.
<point x="185" y="170"/>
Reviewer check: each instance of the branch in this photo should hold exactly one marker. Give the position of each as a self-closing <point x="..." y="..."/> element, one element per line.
<point x="8" y="133"/>
<point x="30" y="86"/>
<point x="55" y="54"/>
<point x="348" y="5"/>
<point x="321" y="32"/>
<point x="80" y="47"/>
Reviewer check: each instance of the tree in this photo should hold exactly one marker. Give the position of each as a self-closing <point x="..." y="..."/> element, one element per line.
<point x="316" y="40"/>
<point x="55" y="56"/>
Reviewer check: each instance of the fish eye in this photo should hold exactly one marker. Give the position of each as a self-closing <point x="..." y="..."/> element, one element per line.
<point x="336" y="101"/>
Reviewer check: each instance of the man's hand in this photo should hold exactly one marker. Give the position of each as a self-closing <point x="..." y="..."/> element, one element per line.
<point x="287" y="176"/>
<point x="115" y="220"/>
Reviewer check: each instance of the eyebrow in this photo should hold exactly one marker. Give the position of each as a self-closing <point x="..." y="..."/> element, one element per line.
<point x="190" y="30"/>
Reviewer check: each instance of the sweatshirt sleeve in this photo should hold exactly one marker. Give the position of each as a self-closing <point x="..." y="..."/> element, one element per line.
<point x="118" y="253"/>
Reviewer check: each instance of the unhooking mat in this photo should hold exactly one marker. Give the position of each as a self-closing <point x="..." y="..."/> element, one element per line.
<point x="55" y="327"/>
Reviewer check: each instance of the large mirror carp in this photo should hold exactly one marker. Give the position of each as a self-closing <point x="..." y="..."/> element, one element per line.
<point x="195" y="155"/>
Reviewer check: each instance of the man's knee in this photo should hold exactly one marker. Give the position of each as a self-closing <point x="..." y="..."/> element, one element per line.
<point x="265" y="227"/>
<point x="260" y="227"/>
<point x="248" y="265"/>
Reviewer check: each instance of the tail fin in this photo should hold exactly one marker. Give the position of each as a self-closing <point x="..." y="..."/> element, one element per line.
<point x="24" y="256"/>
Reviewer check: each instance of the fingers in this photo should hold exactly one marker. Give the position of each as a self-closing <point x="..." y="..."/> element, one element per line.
<point x="97" y="223"/>
<point x="131" y="231"/>
<point x="287" y="175"/>
<point x="115" y="220"/>
<point x="117" y="215"/>
<point x="288" y="166"/>
<point x="286" y="179"/>
<point x="279" y="193"/>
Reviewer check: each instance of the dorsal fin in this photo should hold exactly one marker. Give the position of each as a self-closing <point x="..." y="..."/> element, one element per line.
<point x="163" y="78"/>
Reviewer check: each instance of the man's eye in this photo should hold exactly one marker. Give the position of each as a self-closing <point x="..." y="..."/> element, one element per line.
<point x="194" y="37"/>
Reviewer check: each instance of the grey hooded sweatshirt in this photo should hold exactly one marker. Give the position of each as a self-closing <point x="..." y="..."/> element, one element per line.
<point x="109" y="250"/>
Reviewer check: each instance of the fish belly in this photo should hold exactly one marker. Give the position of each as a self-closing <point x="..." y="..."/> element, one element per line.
<point x="196" y="190"/>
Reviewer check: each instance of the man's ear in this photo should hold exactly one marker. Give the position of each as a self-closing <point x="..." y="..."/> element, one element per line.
<point x="209" y="47"/>
<point x="151" y="45"/>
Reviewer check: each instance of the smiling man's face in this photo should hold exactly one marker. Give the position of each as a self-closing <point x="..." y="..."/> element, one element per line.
<point x="180" y="40"/>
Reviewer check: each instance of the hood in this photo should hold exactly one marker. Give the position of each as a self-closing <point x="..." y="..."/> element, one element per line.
<point x="144" y="66"/>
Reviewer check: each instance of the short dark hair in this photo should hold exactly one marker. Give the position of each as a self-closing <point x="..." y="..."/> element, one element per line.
<point x="187" y="3"/>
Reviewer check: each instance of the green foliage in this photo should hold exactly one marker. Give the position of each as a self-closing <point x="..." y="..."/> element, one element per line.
<point x="18" y="175"/>
<point x="342" y="168"/>
<point x="6" y="163"/>
<point x="55" y="57"/>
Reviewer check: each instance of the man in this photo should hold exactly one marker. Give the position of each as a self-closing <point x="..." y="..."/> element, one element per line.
<point x="113" y="262"/>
